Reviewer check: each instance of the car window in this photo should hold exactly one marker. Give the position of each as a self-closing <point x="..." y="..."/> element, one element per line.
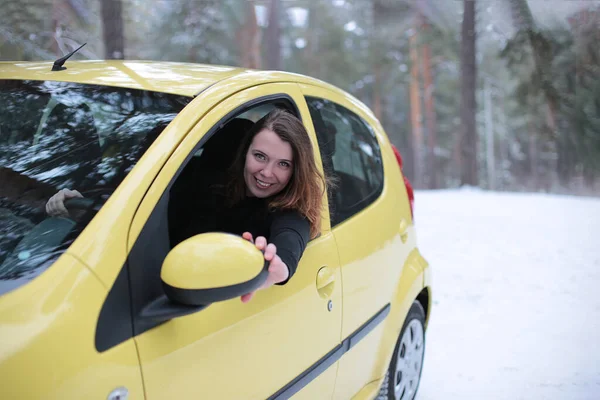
<point x="257" y="112"/>
<point x="253" y="114"/>
<point x="351" y="157"/>
<point x="56" y="135"/>
<point x="208" y="165"/>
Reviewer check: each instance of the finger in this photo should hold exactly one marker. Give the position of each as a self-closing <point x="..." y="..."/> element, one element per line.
<point x="59" y="202"/>
<point x="247" y="297"/>
<point x="56" y="204"/>
<point x="73" y="193"/>
<point x="270" y="251"/>
<point x="248" y="237"/>
<point x="69" y="194"/>
<point x="57" y="212"/>
<point x="61" y="209"/>
<point x="51" y="206"/>
<point x="261" y="242"/>
<point x="278" y="271"/>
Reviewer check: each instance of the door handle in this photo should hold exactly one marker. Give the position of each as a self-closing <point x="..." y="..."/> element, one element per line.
<point x="325" y="282"/>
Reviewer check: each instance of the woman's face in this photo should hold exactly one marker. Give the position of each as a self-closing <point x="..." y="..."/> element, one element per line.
<point x="269" y="165"/>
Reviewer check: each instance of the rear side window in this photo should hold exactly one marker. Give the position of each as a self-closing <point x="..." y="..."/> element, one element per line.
<point x="56" y="135"/>
<point x="351" y="157"/>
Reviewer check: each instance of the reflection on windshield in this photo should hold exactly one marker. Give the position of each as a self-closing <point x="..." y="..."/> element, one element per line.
<point x="56" y="135"/>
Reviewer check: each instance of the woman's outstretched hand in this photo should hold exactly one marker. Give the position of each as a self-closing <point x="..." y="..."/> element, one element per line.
<point x="55" y="207"/>
<point x="278" y="271"/>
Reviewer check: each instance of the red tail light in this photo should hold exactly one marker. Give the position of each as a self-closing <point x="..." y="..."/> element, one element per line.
<point x="398" y="157"/>
<point x="409" y="188"/>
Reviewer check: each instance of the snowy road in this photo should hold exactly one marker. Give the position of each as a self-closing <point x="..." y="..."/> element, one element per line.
<point x="516" y="311"/>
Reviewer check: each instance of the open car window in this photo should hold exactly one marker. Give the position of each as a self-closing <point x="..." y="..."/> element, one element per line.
<point x="209" y="164"/>
<point x="56" y="135"/>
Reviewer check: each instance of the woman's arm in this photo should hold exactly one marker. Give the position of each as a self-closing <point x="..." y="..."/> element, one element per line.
<point x="288" y="237"/>
<point x="290" y="233"/>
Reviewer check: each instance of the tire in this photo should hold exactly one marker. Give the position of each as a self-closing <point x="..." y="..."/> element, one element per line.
<point x="404" y="373"/>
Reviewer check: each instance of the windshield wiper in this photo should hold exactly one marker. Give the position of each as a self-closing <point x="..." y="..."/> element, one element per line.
<point x="58" y="64"/>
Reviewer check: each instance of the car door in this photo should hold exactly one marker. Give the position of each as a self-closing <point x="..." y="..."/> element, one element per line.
<point x="276" y="345"/>
<point x="367" y="222"/>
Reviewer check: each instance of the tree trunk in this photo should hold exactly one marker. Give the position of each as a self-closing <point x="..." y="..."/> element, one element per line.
<point x="415" y="111"/>
<point x="377" y="106"/>
<point x="533" y="160"/>
<point x="273" y="37"/>
<point x="248" y="39"/>
<point x="542" y="55"/>
<point x="55" y="28"/>
<point x="468" y="105"/>
<point x="490" y="137"/>
<point x="112" y="24"/>
<point x="532" y="150"/>
<point x="430" y="117"/>
<point x="312" y="37"/>
<point x="376" y="59"/>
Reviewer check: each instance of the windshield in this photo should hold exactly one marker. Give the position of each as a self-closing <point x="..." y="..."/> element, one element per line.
<point x="56" y="135"/>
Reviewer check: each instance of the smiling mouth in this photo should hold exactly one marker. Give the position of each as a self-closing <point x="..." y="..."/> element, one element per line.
<point x="263" y="185"/>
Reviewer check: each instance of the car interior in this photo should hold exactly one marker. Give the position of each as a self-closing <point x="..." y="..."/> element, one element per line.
<point x="215" y="157"/>
<point x="218" y="153"/>
<point x="63" y="149"/>
<point x="355" y="191"/>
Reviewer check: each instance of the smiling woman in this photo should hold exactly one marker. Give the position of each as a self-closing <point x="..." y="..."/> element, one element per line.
<point x="268" y="165"/>
<point x="276" y="161"/>
<point x="271" y="195"/>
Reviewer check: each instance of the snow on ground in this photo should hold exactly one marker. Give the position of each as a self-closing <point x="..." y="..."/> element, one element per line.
<point x="516" y="289"/>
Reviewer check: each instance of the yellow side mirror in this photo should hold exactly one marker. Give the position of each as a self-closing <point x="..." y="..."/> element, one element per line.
<point x="212" y="267"/>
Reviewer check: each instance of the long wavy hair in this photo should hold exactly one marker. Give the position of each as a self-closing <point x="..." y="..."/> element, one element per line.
<point x="304" y="192"/>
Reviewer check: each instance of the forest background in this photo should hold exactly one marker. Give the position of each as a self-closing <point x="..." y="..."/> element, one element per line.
<point x="497" y="94"/>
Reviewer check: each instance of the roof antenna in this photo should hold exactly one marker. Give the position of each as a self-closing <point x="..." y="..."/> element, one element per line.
<point x="58" y="64"/>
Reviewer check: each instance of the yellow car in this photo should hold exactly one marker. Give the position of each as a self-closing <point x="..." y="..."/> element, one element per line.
<point x="98" y="305"/>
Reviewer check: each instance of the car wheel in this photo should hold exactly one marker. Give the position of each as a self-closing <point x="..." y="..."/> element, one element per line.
<point x="404" y="374"/>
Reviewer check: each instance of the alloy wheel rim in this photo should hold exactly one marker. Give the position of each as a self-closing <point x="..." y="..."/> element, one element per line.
<point x="409" y="361"/>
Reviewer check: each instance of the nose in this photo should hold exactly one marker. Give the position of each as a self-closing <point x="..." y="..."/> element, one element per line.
<point x="267" y="171"/>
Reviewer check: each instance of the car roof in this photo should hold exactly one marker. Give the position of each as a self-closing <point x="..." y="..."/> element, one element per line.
<point x="184" y="79"/>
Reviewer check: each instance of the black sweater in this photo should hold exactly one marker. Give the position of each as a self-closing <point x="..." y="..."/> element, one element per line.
<point x="288" y="230"/>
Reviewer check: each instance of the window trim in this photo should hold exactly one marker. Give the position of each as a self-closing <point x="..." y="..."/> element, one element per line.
<point x="365" y="202"/>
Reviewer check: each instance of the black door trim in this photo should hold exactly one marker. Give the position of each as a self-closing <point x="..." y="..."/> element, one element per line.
<point x="334" y="355"/>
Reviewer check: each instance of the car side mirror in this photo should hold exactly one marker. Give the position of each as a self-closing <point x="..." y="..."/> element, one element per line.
<point x="212" y="267"/>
